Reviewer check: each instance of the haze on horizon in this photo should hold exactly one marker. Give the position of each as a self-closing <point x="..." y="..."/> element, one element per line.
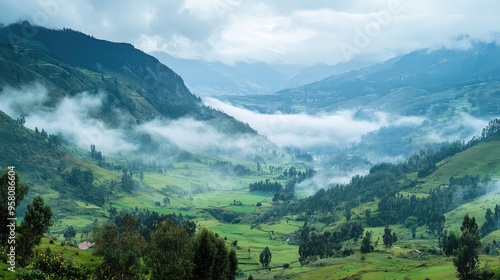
<point x="277" y="31"/>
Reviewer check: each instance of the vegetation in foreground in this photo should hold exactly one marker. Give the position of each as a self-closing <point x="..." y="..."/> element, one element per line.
<point x="392" y="198"/>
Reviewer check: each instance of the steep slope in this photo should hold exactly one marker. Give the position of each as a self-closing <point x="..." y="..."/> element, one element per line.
<point x="68" y="62"/>
<point x="44" y="165"/>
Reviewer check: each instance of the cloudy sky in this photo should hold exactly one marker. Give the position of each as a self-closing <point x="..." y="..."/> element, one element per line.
<point x="288" y="31"/>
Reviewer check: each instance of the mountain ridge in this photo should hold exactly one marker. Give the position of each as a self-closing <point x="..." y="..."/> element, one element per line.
<point x="431" y="71"/>
<point x="69" y="62"/>
<point x="211" y="78"/>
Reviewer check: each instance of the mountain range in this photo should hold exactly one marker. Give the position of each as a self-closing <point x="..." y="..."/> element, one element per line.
<point x="209" y="78"/>
<point x="402" y="84"/>
<point x="156" y="149"/>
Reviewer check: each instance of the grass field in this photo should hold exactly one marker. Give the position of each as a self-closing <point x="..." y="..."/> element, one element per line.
<point x="199" y="189"/>
<point x="483" y="159"/>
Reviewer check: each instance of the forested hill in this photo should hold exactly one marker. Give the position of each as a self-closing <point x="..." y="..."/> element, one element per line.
<point x="68" y="62"/>
<point x="438" y="181"/>
<point x="46" y="165"/>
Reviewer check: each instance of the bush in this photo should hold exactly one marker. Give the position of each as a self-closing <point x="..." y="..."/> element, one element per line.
<point x="347" y="252"/>
<point x="46" y="265"/>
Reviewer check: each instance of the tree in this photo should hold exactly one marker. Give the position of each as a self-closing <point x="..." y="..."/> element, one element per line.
<point x="368" y="215"/>
<point x="127" y="181"/>
<point x="211" y="259"/>
<point x="234" y="243"/>
<point x="141" y="175"/>
<point x="466" y="259"/>
<point x="43" y="134"/>
<point x="490" y="223"/>
<point x="387" y="237"/>
<point x="21" y="121"/>
<point x="450" y="243"/>
<point x="21" y="190"/>
<point x="122" y="247"/>
<point x="413" y="231"/>
<point x="221" y="268"/>
<point x="233" y="264"/>
<point x="366" y="243"/>
<point x="69" y="233"/>
<point x="496" y="216"/>
<point x="265" y="257"/>
<point x="347" y="214"/>
<point x="37" y="220"/>
<point x="169" y="253"/>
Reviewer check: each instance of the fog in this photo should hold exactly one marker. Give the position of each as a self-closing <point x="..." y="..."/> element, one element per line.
<point x="73" y="118"/>
<point x="76" y="120"/>
<point x="197" y="136"/>
<point x="326" y="177"/>
<point x="463" y="126"/>
<point x="338" y="129"/>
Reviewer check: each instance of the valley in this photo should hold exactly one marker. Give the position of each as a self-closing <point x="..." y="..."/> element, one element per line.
<point x="124" y="155"/>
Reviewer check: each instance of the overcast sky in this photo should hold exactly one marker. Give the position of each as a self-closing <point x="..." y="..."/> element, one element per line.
<point x="285" y="31"/>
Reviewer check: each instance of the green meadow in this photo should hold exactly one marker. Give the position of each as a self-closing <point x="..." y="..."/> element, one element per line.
<point x="193" y="188"/>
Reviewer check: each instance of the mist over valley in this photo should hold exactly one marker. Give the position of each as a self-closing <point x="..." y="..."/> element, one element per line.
<point x="194" y="152"/>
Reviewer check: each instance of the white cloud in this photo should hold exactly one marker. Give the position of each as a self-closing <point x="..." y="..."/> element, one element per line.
<point x="339" y="129"/>
<point x="73" y="118"/>
<point x="197" y="136"/>
<point x="277" y="30"/>
<point x="460" y="127"/>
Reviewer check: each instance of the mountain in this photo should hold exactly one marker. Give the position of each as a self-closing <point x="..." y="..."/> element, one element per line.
<point x="400" y="84"/>
<point x="207" y="78"/>
<point x="79" y="82"/>
<point x="86" y="92"/>
<point x="68" y="62"/>
<point x="446" y="94"/>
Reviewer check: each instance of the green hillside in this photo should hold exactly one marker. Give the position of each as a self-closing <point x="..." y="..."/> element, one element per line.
<point x="248" y="201"/>
<point x="68" y="62"/>
<point x="482" y="159"/>
<point x="195" y="191"/>
<point x="396" y="262"/>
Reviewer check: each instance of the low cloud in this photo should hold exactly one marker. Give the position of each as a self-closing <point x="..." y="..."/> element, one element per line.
<point x="74" y="118"/>
<point x="325" y="178"/>
<point x="338" y="129"/>
<point x="197" y="136"/>
<point x="460" y="127"/>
